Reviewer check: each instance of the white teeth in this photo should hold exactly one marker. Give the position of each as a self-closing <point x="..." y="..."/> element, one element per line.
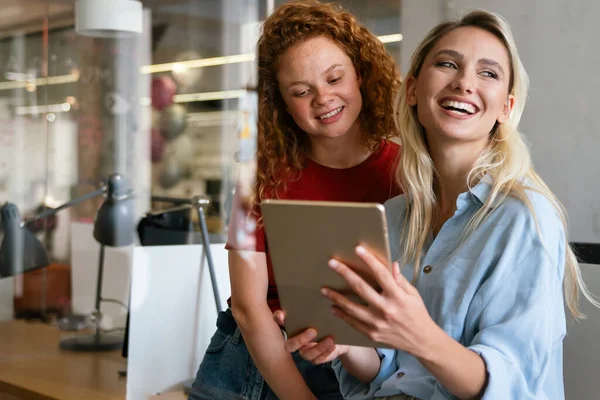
<point x="458" y="105"/>
<point x="330" y="114"/>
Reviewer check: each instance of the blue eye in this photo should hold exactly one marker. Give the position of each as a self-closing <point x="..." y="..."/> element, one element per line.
<point x="447" y="64"/>
<point x="490" y="74"/>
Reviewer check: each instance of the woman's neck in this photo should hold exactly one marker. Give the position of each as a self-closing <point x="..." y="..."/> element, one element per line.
<point x="339" y="152"/>
<point x="453" y="163"/>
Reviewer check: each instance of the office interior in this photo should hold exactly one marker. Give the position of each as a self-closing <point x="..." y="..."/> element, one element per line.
<point x="162" y="106"/>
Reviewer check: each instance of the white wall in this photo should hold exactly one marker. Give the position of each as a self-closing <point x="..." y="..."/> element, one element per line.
<point x="558" y="44"/>
<point x="416" y="19"/>
<point x="173" y="315"/>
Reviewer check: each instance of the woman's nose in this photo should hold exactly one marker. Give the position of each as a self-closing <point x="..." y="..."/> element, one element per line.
<point x="323" y="97"/>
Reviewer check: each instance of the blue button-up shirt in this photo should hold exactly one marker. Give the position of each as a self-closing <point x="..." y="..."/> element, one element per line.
<point x="498" y="293"/>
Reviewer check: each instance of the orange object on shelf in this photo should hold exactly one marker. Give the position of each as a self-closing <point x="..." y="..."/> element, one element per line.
<point x="29" y="290"/>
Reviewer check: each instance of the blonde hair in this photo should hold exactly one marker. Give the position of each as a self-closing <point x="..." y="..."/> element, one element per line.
<point x="506" y="158"/>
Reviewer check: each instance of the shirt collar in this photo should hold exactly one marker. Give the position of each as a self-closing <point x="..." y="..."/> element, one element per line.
<point x="478" y="193"/>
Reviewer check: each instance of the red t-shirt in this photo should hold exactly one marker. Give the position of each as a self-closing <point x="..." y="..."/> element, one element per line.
<point x="372" y="181"/>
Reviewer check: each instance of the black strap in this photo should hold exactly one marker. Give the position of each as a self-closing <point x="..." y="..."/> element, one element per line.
<point x="587" y="253"/>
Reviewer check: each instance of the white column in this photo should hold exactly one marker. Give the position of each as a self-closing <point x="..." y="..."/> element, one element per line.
<point x="416" y="19"/>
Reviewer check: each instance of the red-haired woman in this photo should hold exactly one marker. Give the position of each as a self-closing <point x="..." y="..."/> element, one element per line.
<point x="326" y="87"/>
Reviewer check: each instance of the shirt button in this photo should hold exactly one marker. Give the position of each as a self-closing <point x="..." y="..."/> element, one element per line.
<point x="427" y="269"/>
<point x="400" y="374"/>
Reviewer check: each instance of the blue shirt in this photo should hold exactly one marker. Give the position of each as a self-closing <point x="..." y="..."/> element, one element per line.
<point x="498" y="293"/>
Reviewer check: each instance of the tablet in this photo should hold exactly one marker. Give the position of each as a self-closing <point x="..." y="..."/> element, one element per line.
<point x="302" y="236"/>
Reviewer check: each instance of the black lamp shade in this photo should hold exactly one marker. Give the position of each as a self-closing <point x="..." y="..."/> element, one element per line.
<point x="20" y="251"/>
<point x="114" y="224"/>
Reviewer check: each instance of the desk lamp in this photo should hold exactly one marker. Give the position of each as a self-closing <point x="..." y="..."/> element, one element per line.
<point x="21" y="251"/>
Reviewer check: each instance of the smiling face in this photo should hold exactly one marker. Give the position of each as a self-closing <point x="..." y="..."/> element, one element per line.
<point x="320" y="88"/>
<point x="463" y="87"/>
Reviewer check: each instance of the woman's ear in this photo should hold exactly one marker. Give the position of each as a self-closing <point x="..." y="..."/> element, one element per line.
<point x="411" y="91"/>
<point x="507" y="109"/>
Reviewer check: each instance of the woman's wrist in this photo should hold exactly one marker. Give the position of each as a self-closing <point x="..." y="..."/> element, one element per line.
<point x="434" y="341"/>
<point x="344" y="353"/>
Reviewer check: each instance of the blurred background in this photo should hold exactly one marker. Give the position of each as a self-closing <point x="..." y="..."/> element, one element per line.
<point x="164" y="109"/>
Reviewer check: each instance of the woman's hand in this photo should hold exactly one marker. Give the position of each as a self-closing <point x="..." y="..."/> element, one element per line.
<point x="396" y="317"/>
<point x="316" y="352"/>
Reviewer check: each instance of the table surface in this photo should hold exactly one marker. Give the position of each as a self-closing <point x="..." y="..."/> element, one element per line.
<point x="32" y="366"/>
<point x="170" y="396"/>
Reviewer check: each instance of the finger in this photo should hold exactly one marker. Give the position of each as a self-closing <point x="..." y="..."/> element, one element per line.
<point x="401" y="279"/>
<point x="323" y="347"/>
<point x="326" y="356"/>
<point x="398" y="277"/>
<point x="307" y="347"/>
<point x="378" y="269"/>
<point x="279" y="317"/>
<point x="358" y="285"/>
<point x="294" y="343"/>
<point x="353" y="322"/>
<point x="358" y="311"/>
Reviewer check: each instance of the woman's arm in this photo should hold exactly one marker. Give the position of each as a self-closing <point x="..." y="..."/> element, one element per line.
<point x="362" y="363"/>
<point x="249" y="283"/>
<point x="455" y="367"/>
<point x="398" y="317"/>
<point x="521" y="327"/>
<point x="520" y="323"/>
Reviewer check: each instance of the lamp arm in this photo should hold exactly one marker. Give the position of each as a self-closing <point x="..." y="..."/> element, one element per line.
<point x="199" y="202"/>
<point x="71" y="203"/>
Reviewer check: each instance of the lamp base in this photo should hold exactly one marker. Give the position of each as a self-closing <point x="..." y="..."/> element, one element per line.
<point x="100" y="342"/>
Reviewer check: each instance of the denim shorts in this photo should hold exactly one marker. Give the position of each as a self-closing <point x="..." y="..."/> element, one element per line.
<point x="227" y="371"/>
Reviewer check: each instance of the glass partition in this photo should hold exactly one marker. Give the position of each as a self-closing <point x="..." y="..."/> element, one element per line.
<point x="170" y="109"/>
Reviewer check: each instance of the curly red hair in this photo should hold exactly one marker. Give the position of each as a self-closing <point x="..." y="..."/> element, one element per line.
<point x="282" y="145"/>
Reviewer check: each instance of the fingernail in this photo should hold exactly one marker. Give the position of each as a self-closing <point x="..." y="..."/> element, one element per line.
<point x="311" y="334"/>
<point x="360" y="250"/>
<point x="324" y="292"/>
<point x="333" y="264"/>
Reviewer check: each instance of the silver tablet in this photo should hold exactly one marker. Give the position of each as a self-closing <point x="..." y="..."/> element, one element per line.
<point x="302" y="236"/>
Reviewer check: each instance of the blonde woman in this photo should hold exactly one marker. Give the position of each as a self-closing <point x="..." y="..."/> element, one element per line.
<point x="478" y="309"/>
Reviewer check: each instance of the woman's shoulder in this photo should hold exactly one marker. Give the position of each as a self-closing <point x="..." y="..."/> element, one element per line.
<point x="390" y="148"/>
<point x="395" y="209"/>
<point x="534" y="214"/>
<point x="386" y="152"/>
<point x="394" y="212"/>
<point x="395" y="205"/>
<point x="533" y="203"/>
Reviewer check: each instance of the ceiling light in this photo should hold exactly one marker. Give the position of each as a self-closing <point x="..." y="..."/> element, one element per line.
<point x="396" y="37"/>
<point x="234" y="59"/>
<point x="108" y="18"/>
<point x="207" y="96"/>
<point x="166" y="67"/>
<point x="199" y="63"/>
<point x="35" y="110"/>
